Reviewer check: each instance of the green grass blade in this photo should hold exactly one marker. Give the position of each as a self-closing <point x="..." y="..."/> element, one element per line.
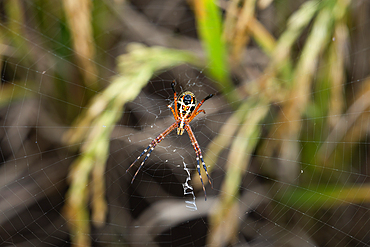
<point x="210" y="31"/>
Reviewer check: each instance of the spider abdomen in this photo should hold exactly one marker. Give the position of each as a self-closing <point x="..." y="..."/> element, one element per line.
<point x="186" y="104"/>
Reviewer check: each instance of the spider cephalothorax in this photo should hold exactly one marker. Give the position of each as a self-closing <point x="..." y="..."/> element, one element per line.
<point x="186" y="108"/>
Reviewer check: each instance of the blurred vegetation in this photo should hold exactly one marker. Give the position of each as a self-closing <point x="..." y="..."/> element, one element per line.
<point x="96" y="125"/>
<point x="295" y="132"/>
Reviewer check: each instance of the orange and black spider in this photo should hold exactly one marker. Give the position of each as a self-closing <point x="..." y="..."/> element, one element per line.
<point x="186" y="109"/>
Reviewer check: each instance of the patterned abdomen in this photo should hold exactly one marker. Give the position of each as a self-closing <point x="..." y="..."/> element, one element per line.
<point x="186" y="104"/>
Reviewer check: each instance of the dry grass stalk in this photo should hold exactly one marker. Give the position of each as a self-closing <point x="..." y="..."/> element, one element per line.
<point x="240" y="24"/>
<point x="247" y="136"/>
<point x="350" y="127"/>
<point x="262" y="36"/>
<point x="241" y="33"/>
<point x="337" y="73"/>
<point x="280" y="65"/>
<point x="230" y="20"/>
<point x="79" y="20"/>
<point x="292" y="111"/>
<point x="224" y="219"/>
<point x="280" y="58"/>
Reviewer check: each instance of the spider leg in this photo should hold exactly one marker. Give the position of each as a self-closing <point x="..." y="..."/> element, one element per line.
<point x="151" y="147"/>
<point x="197" y="149"/>
<point x="173" y="112"/>
<point x="146" y="157"/>
<point x="205" y="168"/>
<point x="173" y="86"/>
<point x="201" y="103"/>
<point x="195" y="114"/>
<point x="145" y="150"/>
<point x="174" y="100"/>
<point x="198" y="153"/>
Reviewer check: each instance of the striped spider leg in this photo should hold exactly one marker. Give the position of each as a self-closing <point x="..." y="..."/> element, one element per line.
<point x="199" y="155"/>
<point x="151" y="147"/>
<point x="184" y="111"/>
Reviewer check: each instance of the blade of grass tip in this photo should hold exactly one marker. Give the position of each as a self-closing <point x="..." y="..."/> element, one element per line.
<point x="223" y="224"/>
<point x="209" y="27"/>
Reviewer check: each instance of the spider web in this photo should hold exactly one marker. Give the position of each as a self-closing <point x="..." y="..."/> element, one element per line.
<point x="290" y="200"/>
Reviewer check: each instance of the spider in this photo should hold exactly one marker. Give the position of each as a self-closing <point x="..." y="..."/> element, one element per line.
<point x="186" y="109"/>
